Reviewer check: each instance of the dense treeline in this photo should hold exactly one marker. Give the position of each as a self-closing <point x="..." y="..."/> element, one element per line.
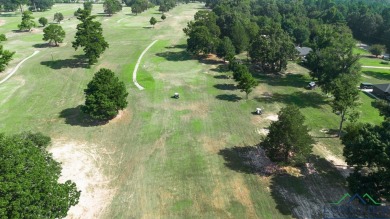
<point x="34" y="5"/>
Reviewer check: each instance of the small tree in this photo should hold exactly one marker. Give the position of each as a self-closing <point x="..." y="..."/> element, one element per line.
<point x="288" y="140"/>
<point x="58" y="17"/>
<point x="153" y="21"/>
<point x="238" y="71"/>
<point x="377" y="49"/>
<point x="27" y="21"/>
<point x="247" y="83"/>
<point x="112" y="6"/>
<point x="89" y="35"/>
<point x="2" y="37"/>
<point x="5" y="58"/>
<point x="163" y="17"/>
<point x="43" y="21"/>
<point x="53" y="33"/>
<point x="345" y="96"/>
<point x="226" y="49"/>
<point x="105" y="96"/>
<point x="136" y="8"/>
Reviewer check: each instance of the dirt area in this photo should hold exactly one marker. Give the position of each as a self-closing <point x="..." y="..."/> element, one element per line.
<point x="212" y="145"/>
<point x="79" y="164"/>
<point x="272" y="117"/>
<point x="196" y="109"/>
<point x="2" y="22"/>
<point x="339" y="163"/>
<point x="242" y="194"/>
<point x="124" y="116"/>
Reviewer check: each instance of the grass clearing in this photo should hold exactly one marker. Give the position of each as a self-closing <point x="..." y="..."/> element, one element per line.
<point x="166" y="157"/>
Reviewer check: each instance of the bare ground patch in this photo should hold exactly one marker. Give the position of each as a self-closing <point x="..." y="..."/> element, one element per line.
<point x="338" y="163"/>
<point x="242" y="194"/>
<point x="124" y="116"/>
<point x="2" y="22"/>
<point x="78" y="161"/>
<point x="212" y="145"/>
<point x="196" y="109"/>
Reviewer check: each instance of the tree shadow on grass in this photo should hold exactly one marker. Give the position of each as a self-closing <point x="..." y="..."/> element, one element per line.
<point x="225" y="86"/>
<point x="290" y="80"/>
<point x="222" y="77"/>
<point x="378" y="75"/>
<point x="221" y="68"/>
<point x="175" y="56"/>
<point x="78" y="61"/>
<point x="299" y="98"/>
<point x="75" y="117"/>
<point x="179" y="46"/>
<point x="228" y="97"/>
<point x="43" y="45"/>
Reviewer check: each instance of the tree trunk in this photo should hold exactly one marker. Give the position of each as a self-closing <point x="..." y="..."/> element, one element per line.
<point x="341" y="123"/>
<point x="21" y="9"/>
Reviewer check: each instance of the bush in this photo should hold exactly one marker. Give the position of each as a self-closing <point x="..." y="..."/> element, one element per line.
<point x="384" y="62"/>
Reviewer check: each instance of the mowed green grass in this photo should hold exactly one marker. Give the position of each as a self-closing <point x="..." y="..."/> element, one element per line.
<point x="170" y="158"/>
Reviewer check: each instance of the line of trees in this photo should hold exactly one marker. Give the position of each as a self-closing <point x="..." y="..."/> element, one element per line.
<point x="34" y="5"/>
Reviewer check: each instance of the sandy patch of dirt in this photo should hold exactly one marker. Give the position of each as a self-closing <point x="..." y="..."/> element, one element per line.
<point x="79" y="164"/>
<point x="213" y="146"/>
<point x="197" y="109"/>
<point x="263" y="131"/>
<point x="338" y="163"/>
<point x="365" y="76"/>
<point x="124" y="116"/>
<point x="2" y="22"/>
<point x="272" y="117"/>
<point x="242" y="194"/>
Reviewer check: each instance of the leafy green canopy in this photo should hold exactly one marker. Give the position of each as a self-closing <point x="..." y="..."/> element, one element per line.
<point x="89" y="35"/>
<point x="288" y="140"/>
<point x="112" y="6"/>
<point x="27" y="21"/>
<point x="105" y="95"/>
<point x="5" y="58"/>
<point x="29" y="185"/>
<point x="53" y="33"/>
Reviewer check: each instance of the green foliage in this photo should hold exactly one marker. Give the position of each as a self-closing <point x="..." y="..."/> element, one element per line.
<point x="377" y="49"/>
<point x="247" y="83"/>
<point x="3" y="37"/>
<point x="288" y="140"/>
<point x="152" y="21"/>
<point x="29" y="175"/>
<point x="27" y="21"/>
<point x="163" y="17"/>
<point x="53" y="33"/>
<point x="58" y="17"/>
<point x="345" y="97"/>
<point x="383" y="107"/>
<point x="226" y="49"/>
<point x="43" y="21"/>
<point x="5" y="58"/>
<point x="137" y="6"/>
<point x="88" y="6"/>
<point x="238" y="71"/>
<point x="272" y="51"/>
<point x="90" y="36"/>
<point x="105" y="96"/>
<point x="112" y="6"/>
<point x="367" y="148"/>
<point x="40" y="5"/>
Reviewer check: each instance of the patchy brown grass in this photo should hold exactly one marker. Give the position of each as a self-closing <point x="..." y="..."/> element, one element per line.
<point x="242" y="194"/>
<point x="124" y="116"/>
<point x="213" y="146"/>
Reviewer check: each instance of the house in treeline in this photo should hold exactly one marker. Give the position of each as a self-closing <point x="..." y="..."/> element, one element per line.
<point x="381" y="90"/>
<point x="303" y="52"/>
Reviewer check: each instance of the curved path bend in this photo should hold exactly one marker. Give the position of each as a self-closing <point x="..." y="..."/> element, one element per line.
<point x="138" y="62"/>
<point x="13" y="71"/>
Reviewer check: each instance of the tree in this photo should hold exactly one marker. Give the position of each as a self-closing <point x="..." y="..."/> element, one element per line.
<point x="163" y="17"/>
<point x="247" y="83"/>
<point x="153" y="21"/>
<point x="112" y="6"/>
<point x="367" y="148"/>
<point x="90" y="36"/>
<point x="136" y="8"/>
<point x="29" y="175"/>
<point x="201" y="40"/>
<point x="88" y="6"/>
<point x="377" y="49"/>
<point x="20" y="3"/>
<point x="105" y="96"/>
<point x="288" y="140"/>
<point x="58" y="17"/>
<point x="2" y="37"/>
<point x="226" y="49"/>
<point x="5" y="58"/>
<point x="43" y="21"/>
<point x="27" y="21"/>
<point x="53" y="33"/>
<point x="345" y="97"/>
<point x="40" y="5"/>
<point x="238" y="70"/>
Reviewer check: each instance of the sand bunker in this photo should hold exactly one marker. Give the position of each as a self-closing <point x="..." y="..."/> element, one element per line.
<point x="79" y="165"/>
<point x="272" y="117"/>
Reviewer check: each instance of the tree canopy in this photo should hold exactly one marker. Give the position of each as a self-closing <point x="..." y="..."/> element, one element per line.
<point x="153" y="21"/>
<point x="288" y="140"/>
<point x="105" y="96"/>
<point x="112" y="6"/>
<point x="43" y="21"/>
<point x="58" y="17"/>
<point x="53" y="33"/>
<point x="29" y="176"/>
<point x="27" y="21"/>
<point x="89" y="35"/>
<point x="377" y="49"/>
